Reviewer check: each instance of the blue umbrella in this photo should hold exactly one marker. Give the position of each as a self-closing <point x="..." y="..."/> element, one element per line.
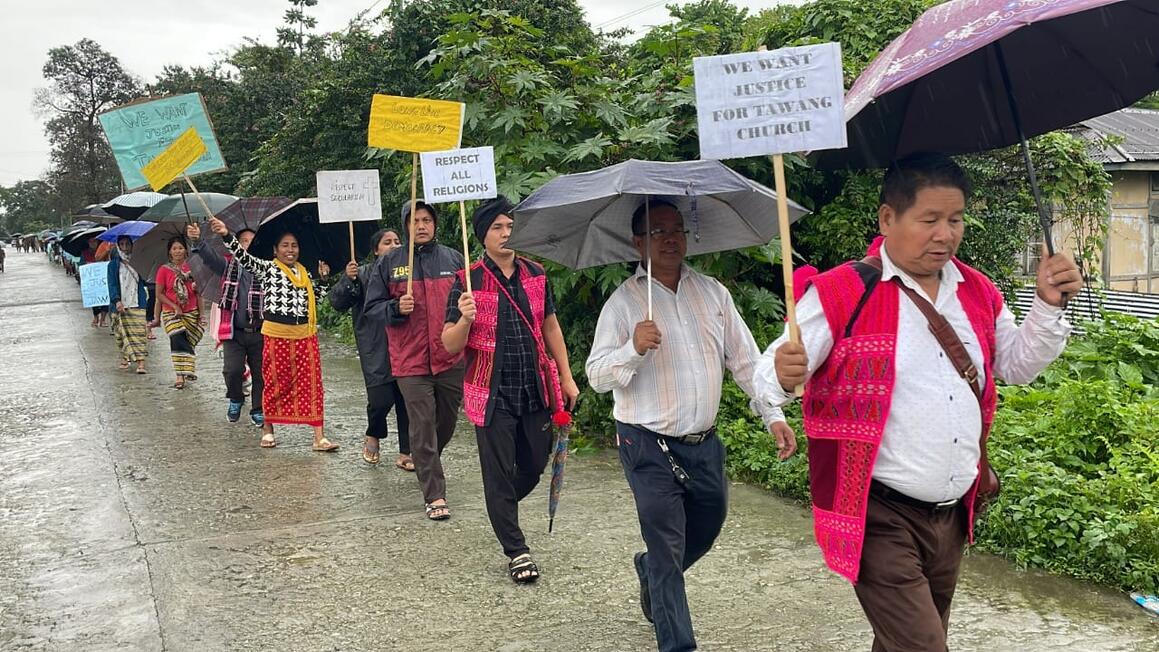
<point x="133" y="230"/>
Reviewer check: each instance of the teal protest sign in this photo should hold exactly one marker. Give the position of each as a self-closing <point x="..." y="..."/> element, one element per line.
<point x="94" y="284"/>
<point x="139" y="132"/>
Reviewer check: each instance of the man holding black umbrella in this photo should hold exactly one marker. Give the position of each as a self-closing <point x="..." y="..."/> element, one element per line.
<point x="665" y="374"/>
<point x="899" y="356"/>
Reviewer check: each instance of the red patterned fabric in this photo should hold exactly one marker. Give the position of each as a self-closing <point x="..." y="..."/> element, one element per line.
<point x="481" y="338"/>
<point x="847" y="401"/>
<point x="292" y="370"/>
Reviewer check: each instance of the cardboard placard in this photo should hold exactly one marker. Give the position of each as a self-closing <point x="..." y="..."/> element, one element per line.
<point x="770" y="102"/>
<point x="349" y="196"/>
<point x="459" y="175"/>
<point x="138" y="132"/>
<point x="94" y="284"/>
<point x="176" y="158"/>
<point x="411" y="124"/>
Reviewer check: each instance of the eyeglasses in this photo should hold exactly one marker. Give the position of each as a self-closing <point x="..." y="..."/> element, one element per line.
<point x="660" y="234"/>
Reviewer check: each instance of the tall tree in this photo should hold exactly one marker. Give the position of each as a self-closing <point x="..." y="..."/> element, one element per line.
<point x="293" y="34"/>
<point x="27" y="207"/>
<point x="83" y="81"/>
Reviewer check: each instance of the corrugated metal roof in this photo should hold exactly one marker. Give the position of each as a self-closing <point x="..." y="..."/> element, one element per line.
<point x="1138" y="132"/>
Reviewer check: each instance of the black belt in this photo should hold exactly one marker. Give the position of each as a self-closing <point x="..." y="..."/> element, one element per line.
<point x="885" y="493"/>
<point x="694" y="439"/>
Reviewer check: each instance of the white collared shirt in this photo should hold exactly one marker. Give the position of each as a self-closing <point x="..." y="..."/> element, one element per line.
<point x="930" y="448"/>
<point x="675" y="389"/>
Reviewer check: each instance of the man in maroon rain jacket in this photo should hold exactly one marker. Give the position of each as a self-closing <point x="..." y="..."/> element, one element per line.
<point x="430" y="378"/>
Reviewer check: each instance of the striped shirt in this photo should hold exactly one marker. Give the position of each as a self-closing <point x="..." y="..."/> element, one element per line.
<point x="674" y="390"/>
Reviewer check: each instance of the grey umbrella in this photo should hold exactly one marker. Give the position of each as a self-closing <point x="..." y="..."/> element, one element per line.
<point x="175" y="206"/>
<point x="584" y="220"/>
<point x="132" y="204"/>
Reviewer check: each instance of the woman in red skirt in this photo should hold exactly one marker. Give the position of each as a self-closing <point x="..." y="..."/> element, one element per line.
<point x="291" y="364"/>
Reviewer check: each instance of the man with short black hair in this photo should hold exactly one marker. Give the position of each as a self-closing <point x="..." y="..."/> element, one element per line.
<point x="899" y="356"/>
<point x="665" y="375"/>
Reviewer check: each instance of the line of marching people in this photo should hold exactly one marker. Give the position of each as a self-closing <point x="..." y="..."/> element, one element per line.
<point x="898" y="357"/>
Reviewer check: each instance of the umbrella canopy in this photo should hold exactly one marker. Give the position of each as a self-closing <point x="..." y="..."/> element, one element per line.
<point x="329" y="242"/>
<point x="151" y="250"/>
<point x="975" y="75"/>
<point x="245" y="213"/>
<point x="584" y="220"/>
<point x="132" y="230"/>
<point x="95" y="214"/>
<point x="173" y="208"/>
<point x="131" y="205"/>
<point x="77" y="240"/>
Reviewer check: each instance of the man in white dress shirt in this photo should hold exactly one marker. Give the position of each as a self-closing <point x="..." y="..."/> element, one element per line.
<point x="665" y="376"/>
<point x="896" y="433"/>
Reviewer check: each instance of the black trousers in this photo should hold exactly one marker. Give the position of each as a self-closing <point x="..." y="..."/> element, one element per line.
<point x="513" y="451"/>
<point x="244" y="349"/>
<point x="679" y="522"/>
<point x="380" y="399"/>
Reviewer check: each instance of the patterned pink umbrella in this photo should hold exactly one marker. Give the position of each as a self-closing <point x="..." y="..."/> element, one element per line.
<point x="975" y="75"/>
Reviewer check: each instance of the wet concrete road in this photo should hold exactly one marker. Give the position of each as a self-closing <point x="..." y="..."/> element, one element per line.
<point x="133" y="517"/>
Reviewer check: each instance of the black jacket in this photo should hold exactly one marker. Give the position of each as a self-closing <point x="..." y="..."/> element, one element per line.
<point x="369" y="330"/>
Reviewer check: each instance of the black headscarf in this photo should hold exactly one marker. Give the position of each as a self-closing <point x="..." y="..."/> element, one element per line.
<point x="489" y="211"/>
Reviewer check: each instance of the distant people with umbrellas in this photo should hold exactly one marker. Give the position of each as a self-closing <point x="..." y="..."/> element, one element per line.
<point x="291" y="362"/>
<point x="180" y="310"/>
<point x="899" y="357"/>
<point x="665" y="375"/>
<point x="240" y="330"/>
<point x="507" y="325"/>
<point x="128" y="301"/>
<point x="382" y="394"/>
<point x="430" y="377"/>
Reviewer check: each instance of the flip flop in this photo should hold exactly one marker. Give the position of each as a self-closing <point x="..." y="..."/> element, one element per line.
<point x="370" y="456"/>
<point x="141" y="370"/>
<point x="123" y="364"/>
<point x="324" y="445"/>
<point x="268" y="441"/>
<point x="405" y="463"/>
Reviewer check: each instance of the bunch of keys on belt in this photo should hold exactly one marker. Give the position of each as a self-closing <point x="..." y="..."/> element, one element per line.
<point x="682" y="476"/>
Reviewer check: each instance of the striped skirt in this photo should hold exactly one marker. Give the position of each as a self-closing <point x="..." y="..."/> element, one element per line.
<point x="292" y="371"/>
<point x="129" y="327"/>
<point x="184" y="333"/>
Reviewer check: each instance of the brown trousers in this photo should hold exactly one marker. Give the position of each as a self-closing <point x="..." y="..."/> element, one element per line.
<point x="432" y="403"/>
<point x="909" y="570"/>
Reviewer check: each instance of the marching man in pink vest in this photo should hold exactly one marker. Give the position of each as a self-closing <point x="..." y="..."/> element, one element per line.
<point x="512" y="387"/>
<point x="901" y="351"/>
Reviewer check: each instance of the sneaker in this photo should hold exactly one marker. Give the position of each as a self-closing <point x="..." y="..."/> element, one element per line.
<point x="258" y="419"/>
<point x="234" y="412"/>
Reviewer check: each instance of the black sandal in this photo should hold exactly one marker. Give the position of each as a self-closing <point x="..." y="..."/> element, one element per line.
<point x="431" y="509"/>
<point x="522" y="569"/>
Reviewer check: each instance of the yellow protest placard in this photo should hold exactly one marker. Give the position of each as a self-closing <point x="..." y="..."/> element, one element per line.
<point x="411" y="124"/>
<point x="180" y="154"/>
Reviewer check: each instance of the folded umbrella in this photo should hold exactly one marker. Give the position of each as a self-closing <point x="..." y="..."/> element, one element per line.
<point x="559" y="460"/>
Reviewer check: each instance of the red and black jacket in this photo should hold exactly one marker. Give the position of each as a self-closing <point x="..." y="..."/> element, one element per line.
<point x="416" y="342"/>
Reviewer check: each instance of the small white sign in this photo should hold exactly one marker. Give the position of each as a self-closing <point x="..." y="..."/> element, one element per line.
<point x="459" y="175"/>
<point x="759" y="103"/>
<point x="349" y="196"/>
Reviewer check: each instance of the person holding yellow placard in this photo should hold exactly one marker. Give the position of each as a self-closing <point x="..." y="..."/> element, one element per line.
<point x="291" y="363"/>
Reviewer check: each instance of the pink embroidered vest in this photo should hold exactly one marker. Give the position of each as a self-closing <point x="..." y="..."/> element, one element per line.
<point x="847" y="401"/>
<point x="481" y="339"/>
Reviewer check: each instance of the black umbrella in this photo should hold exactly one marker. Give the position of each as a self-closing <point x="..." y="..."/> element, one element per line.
<point x="329" y="242"/>
<point x="77" y="240"/>
<point x="975" y="75"/>
<point x="130" y="205"/>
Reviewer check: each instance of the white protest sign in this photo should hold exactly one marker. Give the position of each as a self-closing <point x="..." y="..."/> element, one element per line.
<point x="459" y="175"/>
<point x="348" y="196"/>
<point x="771" y="102"/>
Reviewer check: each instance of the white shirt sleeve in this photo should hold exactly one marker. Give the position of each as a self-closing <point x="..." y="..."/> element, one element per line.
<point x="613" y="360"/>
<point x="818" y="343"/>
<point x="1024" y="351"/>
<point x="740" y="357"/>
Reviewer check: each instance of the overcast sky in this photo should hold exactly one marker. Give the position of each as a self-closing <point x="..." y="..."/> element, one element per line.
<point x="147" y="35"/>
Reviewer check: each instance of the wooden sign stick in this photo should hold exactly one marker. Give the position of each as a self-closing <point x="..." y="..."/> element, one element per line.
<point x="414" y="191"/>
<point x="466" y="249"/>
<point x="197" y="194"/>
<point x="353" y="256"/>
<point x="786" y="254"/>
